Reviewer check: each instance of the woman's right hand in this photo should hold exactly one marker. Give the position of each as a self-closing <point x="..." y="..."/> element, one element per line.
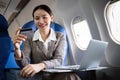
<point x="18" y="38"/>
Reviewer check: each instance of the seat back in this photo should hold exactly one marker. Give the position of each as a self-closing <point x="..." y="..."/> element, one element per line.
<point x="11" y="63"/>
<point x="55" y="27"/>
<point x="5" y="45"/>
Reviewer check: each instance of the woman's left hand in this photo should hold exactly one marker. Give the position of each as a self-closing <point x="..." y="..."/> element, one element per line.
<point x="31" y="69"/>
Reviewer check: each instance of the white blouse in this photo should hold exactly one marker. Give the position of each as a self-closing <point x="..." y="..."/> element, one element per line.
<point x="52" y="36"/>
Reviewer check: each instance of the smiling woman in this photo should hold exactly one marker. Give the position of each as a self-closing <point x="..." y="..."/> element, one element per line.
<point x="45" y="49"/>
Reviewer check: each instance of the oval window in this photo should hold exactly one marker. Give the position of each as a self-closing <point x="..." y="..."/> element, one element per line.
<point x="81" y="32"/>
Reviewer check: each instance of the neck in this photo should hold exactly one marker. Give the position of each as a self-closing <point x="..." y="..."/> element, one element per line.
<point x="45" y="34"/>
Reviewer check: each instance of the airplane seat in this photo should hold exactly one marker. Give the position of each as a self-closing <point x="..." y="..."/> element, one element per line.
<point x="5" y="45"/>
<point x="11" y="63"/>
<point x="12" y="69"/>
<point x="54" y="26"/>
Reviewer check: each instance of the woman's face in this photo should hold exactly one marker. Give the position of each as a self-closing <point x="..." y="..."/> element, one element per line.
<point x="42" y="19"/>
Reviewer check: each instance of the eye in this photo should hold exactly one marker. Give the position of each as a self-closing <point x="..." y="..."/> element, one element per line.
<point x="36" y="18"/>
<point x="45" y="17"/>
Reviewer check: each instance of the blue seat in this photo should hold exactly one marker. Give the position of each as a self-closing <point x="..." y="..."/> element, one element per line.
<point x="54" y="26"/>
<point x="5" y="45"/>
<point x="11" y="63"/>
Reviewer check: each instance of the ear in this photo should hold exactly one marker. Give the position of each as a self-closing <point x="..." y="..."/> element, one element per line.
<point x="52" y="18"/>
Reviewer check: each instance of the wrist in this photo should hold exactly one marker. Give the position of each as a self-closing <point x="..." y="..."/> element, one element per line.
<point x="17" y="54"/>
<point x="42" y="65"/>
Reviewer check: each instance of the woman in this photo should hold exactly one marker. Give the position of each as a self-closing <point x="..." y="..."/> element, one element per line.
<point x="45" y="49"/>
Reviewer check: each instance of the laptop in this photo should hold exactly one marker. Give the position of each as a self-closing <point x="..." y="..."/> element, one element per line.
<point x="90" y="61"/>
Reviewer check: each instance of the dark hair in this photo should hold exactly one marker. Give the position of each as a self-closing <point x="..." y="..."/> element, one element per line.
<point x="43" y="7"/>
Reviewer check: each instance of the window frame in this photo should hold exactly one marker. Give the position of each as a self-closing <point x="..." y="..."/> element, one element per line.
<point x="106" y="10"/>
<point x="76" y="20"/>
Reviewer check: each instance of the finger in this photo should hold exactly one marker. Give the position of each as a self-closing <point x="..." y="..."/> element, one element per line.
<point x="32" y="74"/>
<point x="24" y="71"/>
<point x="23" y="36"/>
<point x="17" y="31"/>
<point x="19" y="38"/>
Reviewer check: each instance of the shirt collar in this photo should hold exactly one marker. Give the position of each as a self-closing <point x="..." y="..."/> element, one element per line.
<point x="37" y="36"/>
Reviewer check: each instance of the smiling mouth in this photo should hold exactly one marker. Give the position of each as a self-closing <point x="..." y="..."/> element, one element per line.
<point x="42" y="26"/>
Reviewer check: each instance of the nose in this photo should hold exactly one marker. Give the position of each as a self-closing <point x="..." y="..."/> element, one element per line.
<point x="41" y="20"/>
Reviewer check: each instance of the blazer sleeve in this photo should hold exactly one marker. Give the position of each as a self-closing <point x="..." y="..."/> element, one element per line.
<point x="25" y="54"/>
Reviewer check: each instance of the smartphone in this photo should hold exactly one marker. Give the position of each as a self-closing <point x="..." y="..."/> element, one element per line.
<point x="27" y="31"/>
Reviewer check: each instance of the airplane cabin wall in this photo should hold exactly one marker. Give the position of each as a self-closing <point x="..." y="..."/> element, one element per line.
<point x="112" y="53"/>
<point x="81" y="8"/>
<point x="68" y="13"/>
<point x="98" y="12"/>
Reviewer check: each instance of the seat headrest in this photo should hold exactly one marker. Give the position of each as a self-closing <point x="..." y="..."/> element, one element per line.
<point x="57" y="27"/>
<point x="3" y="26"/>
<point x="3" y="23"/>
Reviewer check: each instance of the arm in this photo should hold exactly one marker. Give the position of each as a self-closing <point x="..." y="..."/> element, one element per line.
<point x="28" y="70"/>
<point x="25" y="59"/>
<point x="17" y="40"/>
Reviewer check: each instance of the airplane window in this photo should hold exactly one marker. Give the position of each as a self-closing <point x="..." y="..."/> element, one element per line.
<point x="112" y="17"/>
<point x="81" y="32"/>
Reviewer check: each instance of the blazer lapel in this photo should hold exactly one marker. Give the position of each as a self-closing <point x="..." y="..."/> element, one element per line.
<point x="41" y="47"/>
<point x="51" y="47"/>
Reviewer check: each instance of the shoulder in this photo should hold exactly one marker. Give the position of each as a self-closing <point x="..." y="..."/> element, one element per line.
<point x="59" y="34"/>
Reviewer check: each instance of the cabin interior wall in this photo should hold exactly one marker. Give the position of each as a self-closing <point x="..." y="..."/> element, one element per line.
<point x="98" y="12"/>
<point x="79" y="8"/>
<point x="112" y="52"/>
<point x="64" y="8"/>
